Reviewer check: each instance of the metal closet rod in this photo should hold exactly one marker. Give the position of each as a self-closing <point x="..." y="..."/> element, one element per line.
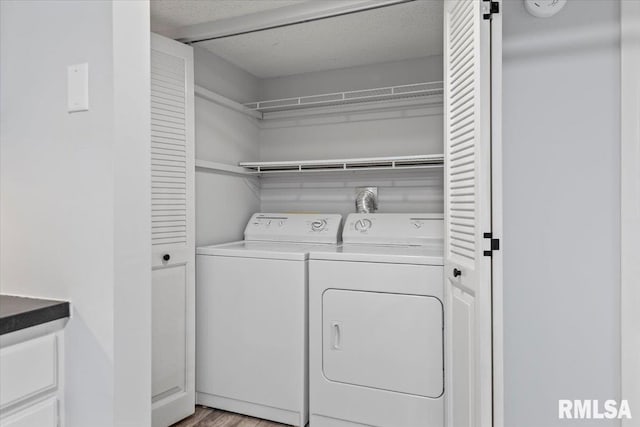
<point x="302" y="21"/>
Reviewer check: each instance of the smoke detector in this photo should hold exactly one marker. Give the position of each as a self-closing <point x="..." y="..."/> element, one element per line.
<point x="544" y="8"/>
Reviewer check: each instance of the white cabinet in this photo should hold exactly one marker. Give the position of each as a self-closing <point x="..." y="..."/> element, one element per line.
<point x="172" y="234"/>
<point x="31" y="381"/>
<point x="27" y="369"/>
<point x="42" y="414"/>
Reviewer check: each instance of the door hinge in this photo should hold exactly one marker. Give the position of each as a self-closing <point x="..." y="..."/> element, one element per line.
<point x="495" y="244"/>
<point x="490" y="8"/>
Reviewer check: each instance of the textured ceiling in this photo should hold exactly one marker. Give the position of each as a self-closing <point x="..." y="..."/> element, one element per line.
<point x="403" y="31"/>
<point x="169" y="15"/>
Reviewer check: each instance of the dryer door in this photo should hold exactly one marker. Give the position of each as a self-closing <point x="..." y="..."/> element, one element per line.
<point x="385" y="341"/>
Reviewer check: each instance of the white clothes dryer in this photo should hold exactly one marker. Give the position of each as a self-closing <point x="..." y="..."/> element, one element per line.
<point x="252" y="316"/>
<point x="376" y="324"/>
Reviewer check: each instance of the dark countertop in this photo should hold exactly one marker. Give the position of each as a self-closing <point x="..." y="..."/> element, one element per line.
<point x="19" y="312"/>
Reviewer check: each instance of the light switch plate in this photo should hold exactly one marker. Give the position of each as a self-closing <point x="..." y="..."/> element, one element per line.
<point x="78" y="87"/>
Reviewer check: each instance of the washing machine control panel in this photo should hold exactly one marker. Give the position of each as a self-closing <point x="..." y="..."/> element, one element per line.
<point x="303" y="228"/>
<point x="389" y="229"/>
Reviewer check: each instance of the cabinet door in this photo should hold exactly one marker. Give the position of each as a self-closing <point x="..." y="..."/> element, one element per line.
<point x="172" y="234"/>
<point x="28" y="369"/>
<point x="468" y="325"/>
<point x="42" y="414"/>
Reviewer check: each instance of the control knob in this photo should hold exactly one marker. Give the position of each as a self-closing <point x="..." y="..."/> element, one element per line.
<point x="363" y="225"/>
<point x="319" y="225"/>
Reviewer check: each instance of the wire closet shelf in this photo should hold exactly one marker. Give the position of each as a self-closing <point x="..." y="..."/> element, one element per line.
<point x="337" y="165"/>
<point x="391" y="93"/>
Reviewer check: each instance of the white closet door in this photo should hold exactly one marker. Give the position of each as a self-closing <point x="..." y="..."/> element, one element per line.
<point x="468" y="213"/>
<point x="172" y="234"/>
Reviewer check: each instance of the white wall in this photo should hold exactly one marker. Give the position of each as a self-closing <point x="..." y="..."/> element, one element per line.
<point x="355" y="78"/>
<point x="219" y="75"/>
<point x="224" y="202"/>
<point x="417" y="191"/>
<point x="132" y="207"/>
<point x="561" y="210"/>
<point x="389" y="132"/>
<point x="630" y="204"/>
<point x="398" y="132"/>
<point x="72" y="190"/>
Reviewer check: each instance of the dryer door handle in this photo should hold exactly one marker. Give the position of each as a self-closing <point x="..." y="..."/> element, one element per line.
<point x="337" y="335"/>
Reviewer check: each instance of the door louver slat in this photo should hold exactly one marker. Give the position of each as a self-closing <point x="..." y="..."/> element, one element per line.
<point x="461" y="149"/>
<point x="168" y="164"/>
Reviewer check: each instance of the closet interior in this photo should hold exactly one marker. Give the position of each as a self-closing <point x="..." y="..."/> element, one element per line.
<point x="295" y="119"/>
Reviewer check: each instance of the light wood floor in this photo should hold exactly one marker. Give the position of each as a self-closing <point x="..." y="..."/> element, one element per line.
<point x="207" y="417"/>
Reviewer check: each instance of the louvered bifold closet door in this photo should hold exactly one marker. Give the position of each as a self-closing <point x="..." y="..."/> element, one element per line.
<point x="468" y="213"/>
<point x="172" y="233"/>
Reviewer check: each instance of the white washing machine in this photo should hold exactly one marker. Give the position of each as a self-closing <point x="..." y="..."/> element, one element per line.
<point x="376" y="324"/>
<point x="252" y="316"/>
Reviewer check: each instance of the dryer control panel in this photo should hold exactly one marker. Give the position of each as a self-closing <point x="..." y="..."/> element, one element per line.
<point x="393" y="229"/>
<point x="302" y="228"/>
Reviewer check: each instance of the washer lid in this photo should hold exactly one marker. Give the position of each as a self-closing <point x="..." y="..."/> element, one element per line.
<point x="393" y="229"/>
<point x="265" y="250"/>
<point x="428" y="254"/>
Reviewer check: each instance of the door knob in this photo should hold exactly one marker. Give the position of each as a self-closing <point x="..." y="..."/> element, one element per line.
<point x="166" y="257"/>
<point x="456" y="272"/>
